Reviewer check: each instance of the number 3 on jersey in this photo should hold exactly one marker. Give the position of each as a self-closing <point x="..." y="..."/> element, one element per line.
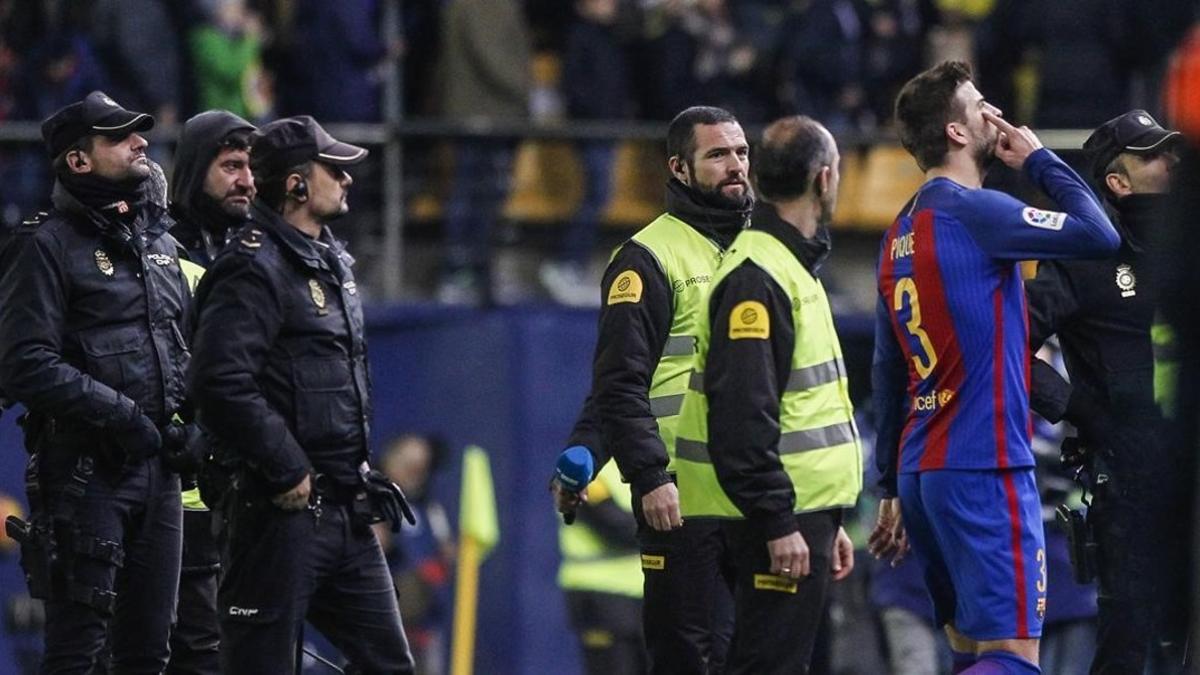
<point x="925" y="362"/>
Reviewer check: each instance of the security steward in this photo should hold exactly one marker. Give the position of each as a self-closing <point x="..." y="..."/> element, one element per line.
<point x="1103" y="312"/>
<point x="211" y="191"/>
<point x="654" y="290"/>
<point x="601" y="576"/>
<point x="93" y="313"/>
<point x="767" y="442"/>
<point x="279" y="375"/>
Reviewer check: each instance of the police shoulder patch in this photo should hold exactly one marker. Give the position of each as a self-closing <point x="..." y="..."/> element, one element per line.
<point x="250" y="240"/>
<point x="749" y="321"/>
<point x="32" y="222"/>
<point x="627" y="287"/>
<point x="1047" y="220"/>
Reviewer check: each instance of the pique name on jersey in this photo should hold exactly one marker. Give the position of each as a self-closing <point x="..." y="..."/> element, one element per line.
<point x="902" y="246"/>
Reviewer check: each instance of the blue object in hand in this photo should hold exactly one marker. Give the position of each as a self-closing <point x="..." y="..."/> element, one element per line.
<point x="573" y="471"/>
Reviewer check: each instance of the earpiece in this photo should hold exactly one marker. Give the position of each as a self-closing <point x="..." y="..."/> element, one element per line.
<point x="300" y="191"/>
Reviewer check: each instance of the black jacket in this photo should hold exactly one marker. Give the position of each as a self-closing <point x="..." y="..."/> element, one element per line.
<point x="202" y="227"/>
<point x="1102" y="311"/>
<point x="744" y="381"/>
<point x="92" y="316"/>
<point x="616" y="420"/>
<point x="279" y="368"/>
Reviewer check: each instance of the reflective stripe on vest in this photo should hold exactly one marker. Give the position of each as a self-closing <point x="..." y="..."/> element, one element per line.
<point x="1166" y="367"/>
<point x="819" y="442"/>
<point x="591" y="564"/>
<point x="688" y="260"/>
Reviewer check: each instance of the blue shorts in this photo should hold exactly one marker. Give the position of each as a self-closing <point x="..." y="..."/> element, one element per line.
<point x="977" y="536"/>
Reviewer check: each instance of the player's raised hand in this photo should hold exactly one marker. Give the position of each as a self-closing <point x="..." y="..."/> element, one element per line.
<point x="1015" y="144"/>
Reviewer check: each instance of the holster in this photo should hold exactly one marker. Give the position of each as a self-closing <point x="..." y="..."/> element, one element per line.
<point x="38" y="553"/>
<point x="1080" y="543"/>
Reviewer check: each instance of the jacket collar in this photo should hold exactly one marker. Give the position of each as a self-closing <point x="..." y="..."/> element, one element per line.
<point x="719" y="224"/>
<point x="811" y="252"/>
<point x="1139" y="215"/>
<point x="152" y="220"/>
<point x="305" y="251"/>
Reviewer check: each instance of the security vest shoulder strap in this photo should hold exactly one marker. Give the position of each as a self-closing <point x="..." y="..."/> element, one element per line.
<point x="819" y="442"/>
<point x="588" y="562"/>
<point x="192" y="273"/>
<point x="688" y="259"/>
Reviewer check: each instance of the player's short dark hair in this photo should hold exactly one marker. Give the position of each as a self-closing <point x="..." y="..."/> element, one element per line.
<point x="681" y="134"/>
<point x="925" y="106"/>
<point x="792" y="152"/>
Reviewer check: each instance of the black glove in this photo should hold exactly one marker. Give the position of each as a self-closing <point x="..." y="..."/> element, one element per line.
<point x="386" y="498"/>
<point x="137" y="440"/>
<point x="1074" y="452"/>
<point x="184" y="448"/>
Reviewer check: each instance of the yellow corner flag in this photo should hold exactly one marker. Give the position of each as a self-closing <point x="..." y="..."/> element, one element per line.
<point x="479" y="531"/>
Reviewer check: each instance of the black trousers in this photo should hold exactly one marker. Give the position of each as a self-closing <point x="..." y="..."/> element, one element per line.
<point x="281" y="567"/>
<point x="1138" y="558"/>
<point x="195" y="638"/>
<point x="139" y="507"/>
<point x="687" y="614"/>
<point x="778" y="618"/>
<point x="610" y="632"/>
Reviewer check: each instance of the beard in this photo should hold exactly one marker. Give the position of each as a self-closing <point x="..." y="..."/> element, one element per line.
<point x="712" y="195"/>
<point x="984" y="152"/>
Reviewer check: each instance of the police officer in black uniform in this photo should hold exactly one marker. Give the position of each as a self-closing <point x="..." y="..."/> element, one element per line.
<point x="279" y="375"/>
<point x="93" y="313"/>
<point x="1102" y="312"/>
<point x="211" y="191"/>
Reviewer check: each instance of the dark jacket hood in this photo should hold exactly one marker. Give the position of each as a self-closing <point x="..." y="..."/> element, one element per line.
<point x="198" y="145"/>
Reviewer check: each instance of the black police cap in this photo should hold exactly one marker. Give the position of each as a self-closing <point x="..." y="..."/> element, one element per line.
<point x="95" y="115"/>
<point x="291" y="141"/>
<point x="1134" y="132"/>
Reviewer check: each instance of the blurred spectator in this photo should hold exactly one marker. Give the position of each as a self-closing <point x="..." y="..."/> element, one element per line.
<point x="894" y="50"/>
<point x="696" y="54"/>
<point x="1091" y="53"/>
<point x="595" y="84"/>
<point x="421" y="557"/>
<point x="914" y="645"/>
<point x="601" y="577"/>
<point x="226" y="53"/>
<point x="338" y="57"/>
<point x="665" y="80"/>
<point x="486" y="72"/>
<point x="140" y="50"/>
<point x="422" y="36"/>
<point x="822" y="63"/>
<point x="60" y="70"/>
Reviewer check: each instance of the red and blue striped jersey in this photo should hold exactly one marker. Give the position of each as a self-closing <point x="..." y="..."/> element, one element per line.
<point x="951" y="367"/>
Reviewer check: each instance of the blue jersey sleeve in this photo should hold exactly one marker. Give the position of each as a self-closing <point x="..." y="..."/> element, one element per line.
<point x="1007" y="228"/>
<point x="889" y="377"/>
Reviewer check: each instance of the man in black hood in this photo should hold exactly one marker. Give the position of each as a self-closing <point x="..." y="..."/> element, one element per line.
<point x="211" y="194"/>
<point x="1104" y="314"/>
<point x="93" y="313"/>
<point x="212" y="187"/>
